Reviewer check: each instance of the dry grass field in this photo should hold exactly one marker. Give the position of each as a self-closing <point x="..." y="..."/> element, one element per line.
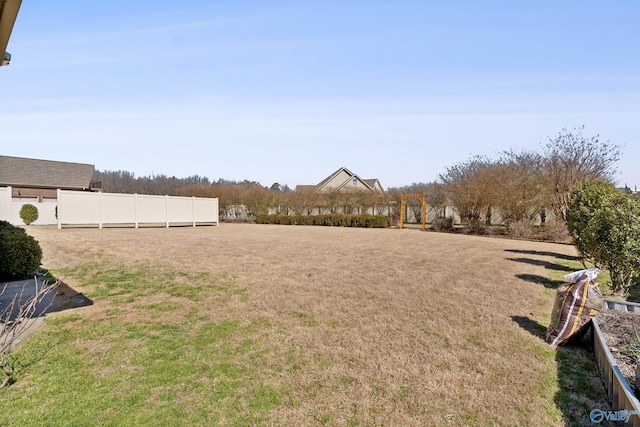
<point x="343" y="326"/>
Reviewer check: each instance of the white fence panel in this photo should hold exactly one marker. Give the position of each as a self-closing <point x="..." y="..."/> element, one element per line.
<point x="5" y="203"/>
<point x="78" y="207"/>
<point x="84" y="208"/>
<point x="10" y="209"/>
<point x="117" y="208"/>
<point x="203" y="208"/>
<point x="46" y="213"/>
<point x="152" y="209"/>
<point x="180" y="209"/>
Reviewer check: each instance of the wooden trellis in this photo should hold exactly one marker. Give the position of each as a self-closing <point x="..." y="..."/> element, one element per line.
<point x="403" y="208"/>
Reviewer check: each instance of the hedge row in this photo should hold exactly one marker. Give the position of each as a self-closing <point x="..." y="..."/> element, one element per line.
<point x="20" y="254"/>
<point x="335" y="220"/>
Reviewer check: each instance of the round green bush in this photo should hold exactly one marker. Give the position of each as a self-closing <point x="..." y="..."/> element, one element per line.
<point x="4" y="225"/>
<point x="28" y="213"/>
<point x="21" y="253"/>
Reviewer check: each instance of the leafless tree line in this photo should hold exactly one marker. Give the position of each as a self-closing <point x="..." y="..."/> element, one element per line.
<point x="239" y="199"/>
<point x="517" y="187"/>
<point x="126" y="182"/>
<point x="255" y="199"/>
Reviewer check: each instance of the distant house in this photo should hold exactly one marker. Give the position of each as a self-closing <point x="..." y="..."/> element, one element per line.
<point x="33" y="178"/>
<point x="343" y="180"/>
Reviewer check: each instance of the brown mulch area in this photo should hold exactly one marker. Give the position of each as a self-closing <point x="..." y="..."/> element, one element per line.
<point x="618" y="331"/>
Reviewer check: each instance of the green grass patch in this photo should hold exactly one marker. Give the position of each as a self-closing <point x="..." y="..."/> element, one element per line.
<point x="128" y="284"/>
<point x="108" y="370"/>
<point x="62" y="318"/>
<point x="162" y="307"/>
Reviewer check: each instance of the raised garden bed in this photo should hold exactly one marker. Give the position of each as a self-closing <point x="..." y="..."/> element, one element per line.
<point x="613" y="330"/>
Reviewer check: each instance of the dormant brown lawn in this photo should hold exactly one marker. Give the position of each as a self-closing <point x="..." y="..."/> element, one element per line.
<point x="357" y="326"/>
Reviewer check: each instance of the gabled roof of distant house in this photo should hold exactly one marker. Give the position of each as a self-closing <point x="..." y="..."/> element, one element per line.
<point x="373" y="183"/>
<point x="244" y="186"/>
<point x="341" y="180"/>
<point x="34" y="173"/>
<point x="306" y="187"/>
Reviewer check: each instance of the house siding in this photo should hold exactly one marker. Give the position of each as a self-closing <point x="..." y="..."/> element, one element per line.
<point x="345" y="180"/>
<point x="39" y="193"/>
<point x="337" y="181"/>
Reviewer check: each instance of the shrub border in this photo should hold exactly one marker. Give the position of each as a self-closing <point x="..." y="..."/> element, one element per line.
<point x="331" y="220"/>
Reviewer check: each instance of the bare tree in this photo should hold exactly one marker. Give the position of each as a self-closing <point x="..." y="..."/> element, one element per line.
<point x="126" y="182"/>
<point x="437" y="198"/>
<point x="468" y="187"/>
<point x="303" y="200"/>
<point x="257" y="199"/>
<point x="352" y="200"/>
<point x="229" y="195"/>
<point x="18" y="317"/>
<point x="376" y="201"/>
<point x="570" y="159"/>
<point x="519" y="188"/>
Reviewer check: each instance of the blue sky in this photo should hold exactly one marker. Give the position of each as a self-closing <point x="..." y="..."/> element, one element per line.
<point x="288" y="92"/>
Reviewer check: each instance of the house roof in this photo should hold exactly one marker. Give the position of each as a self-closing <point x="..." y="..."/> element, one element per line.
<point x="306" y="187"/>
<point x="20" y="171"/>
<point x="244" y="186"/>
<point x="369" y="184"/>
<point x="372" y="182"/>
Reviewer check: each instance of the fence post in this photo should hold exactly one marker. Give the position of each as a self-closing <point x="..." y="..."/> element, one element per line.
<point x="218" y="212"/>
<point x="59" y="208"/>
<point x="100" y="209"/>
<point x="7" y="201"/>
<point x="166" y="209"/>
<point x="135" y="209"/>
<point x="193" y="209"/>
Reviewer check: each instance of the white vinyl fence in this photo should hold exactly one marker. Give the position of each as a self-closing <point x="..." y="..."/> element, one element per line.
<point x="10" y="209"/>
<point x="5" y="203"/>
<point x="87" y="208"/>
<point x="46" y="212"/>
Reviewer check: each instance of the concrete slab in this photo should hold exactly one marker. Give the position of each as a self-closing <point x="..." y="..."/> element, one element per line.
<point x="16" y="293"/>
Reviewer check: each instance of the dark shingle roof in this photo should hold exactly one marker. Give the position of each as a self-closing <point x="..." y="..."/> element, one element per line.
<point x="19" y="171"/>
<point x="330" y="177"/>
<point x="306" y="187"/>
<point x="371" y="182"/>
